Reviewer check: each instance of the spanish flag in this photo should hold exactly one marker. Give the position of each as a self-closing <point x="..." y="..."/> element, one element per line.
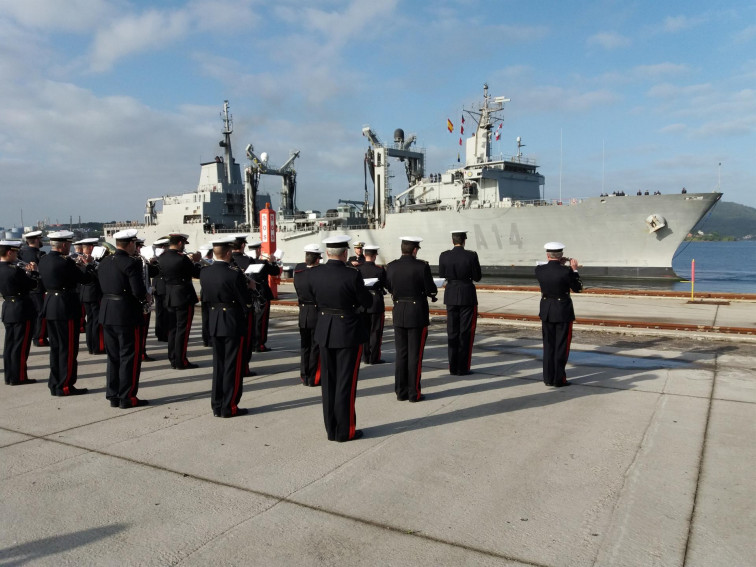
<point x="449" y="125"/>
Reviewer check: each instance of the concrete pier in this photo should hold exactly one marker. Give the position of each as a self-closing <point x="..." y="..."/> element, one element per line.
<point x="647" y="459"/>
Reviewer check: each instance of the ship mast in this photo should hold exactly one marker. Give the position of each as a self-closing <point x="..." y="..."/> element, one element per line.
<point x="228" y="127"/>
<point x="485" y="116"/>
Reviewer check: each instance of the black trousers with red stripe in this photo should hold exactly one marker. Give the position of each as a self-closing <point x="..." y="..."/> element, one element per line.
<point x="309" y="358"/>
<point x="228" y="367"/>
<point x="93" y="329"/>
<point x="339" y="370"/>
<point x="179" y="325"/>
<point x="460" y="330"/>
<point x="262" y="318"/>
<point x="372" y="349"/>
<point x="123" y="345"/>
<point x="556" y="350"/>
<point x="64" y="350"/>
<point x="39" y="324"/>
<point x="145" y="331"/>
<point x="410" y="345"/>
<point x="18" y="338"/>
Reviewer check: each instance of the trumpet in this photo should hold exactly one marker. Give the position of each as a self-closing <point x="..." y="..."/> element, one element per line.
<point x="29" y="267"/>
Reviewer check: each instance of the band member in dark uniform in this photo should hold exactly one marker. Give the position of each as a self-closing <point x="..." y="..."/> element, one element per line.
<point x="359" y="257"/>
<point x="31" y="252"/>
<point x="242" y="261"/>
<point x="150" y="270"/>
<point x="224" y="287"/>
<point x="262" y="308"/>
<point x="90" y="296"/>
<point x="341" y="296"/>
<point x="124" y="298"/>
<point x="60" y="275"/>
<point x="178" y="269"/>
<point x="410" y="282"/>
<point x="557" y="277"/>
<point x="206" y="250"/>
<point x="309" y="364"/>
<point x="18" y="312"/>
<point x="158" y="293"/>
<point x="461" y="268"/>
<point x="376" y="314"/>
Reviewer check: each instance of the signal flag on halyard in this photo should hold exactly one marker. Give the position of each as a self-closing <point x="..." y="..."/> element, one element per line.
<point x="457" y="156"/>
<point x="498" y="135"/>
<point x="460" y="141"/>
<point x="463" y="119"/>
<point x="449" y="125"/>
<point x="461" y="129"/>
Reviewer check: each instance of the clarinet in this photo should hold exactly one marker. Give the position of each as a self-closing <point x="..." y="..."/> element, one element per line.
<point x="147" y="305"/>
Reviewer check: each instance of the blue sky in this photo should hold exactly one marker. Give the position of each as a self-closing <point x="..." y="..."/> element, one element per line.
<point x="104" y="104"/>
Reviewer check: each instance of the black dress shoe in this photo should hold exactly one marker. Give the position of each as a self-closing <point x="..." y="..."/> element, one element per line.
<point x="136" y="404"/>
<point x="357" y="435"/>
<point x="420" y="398"/>
<point x="263" y="349"/>
<point x="565" y="383"/>
<point x="402" y="398"/>
<point x="115" y="402"/>
<point x="147" y="358"/>
<point x="381" y="361"/>
<point x="216" y="413"/>
<point x="22" y="382"/>
<point x="249" y="373"/>
<point x="187" y="366"/>
<point x="239" y="411"/>
<point x="465" y="373"/>
<point x="74" y="391"/>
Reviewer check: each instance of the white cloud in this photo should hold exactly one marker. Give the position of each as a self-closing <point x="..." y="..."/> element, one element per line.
<point x="134" y="34"/>
<point x="674" y="24"/>
<point x="608" y="40"/>
<point x="57" y="15"/>
<point x="746" y="35"/>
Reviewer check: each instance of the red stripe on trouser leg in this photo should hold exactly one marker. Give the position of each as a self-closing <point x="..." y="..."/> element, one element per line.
<point x="420" y="360"/>
<point x="185" y="346"/>
<point x="237" y="376"/>
<point x="25" y="352"/>
<point x="135" y="366"/>
<point x="71" y="356"/>
<point x="317" y="373"/>
<point x="472" y="336"/>
<point x="353" y="394"/>
<point x="42" y="332"/>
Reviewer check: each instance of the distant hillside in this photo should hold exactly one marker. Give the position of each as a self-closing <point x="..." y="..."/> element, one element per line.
<point x="728" y="220"/>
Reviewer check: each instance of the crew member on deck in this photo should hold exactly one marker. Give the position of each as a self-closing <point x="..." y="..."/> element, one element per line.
<point x="376" y="314"/>
<point x="31" y="252"/>
<point x="309" y="363"/>
<point x="341" y="296"/>
<point x="557" y="277"/>
<point x="178" y="269"/>
<point x="60" y="275"/>
<point x="410" y="282"/>
<point x="18" y="312"/>
<point x="461" y="268"/>
<point x="124" y="301"/>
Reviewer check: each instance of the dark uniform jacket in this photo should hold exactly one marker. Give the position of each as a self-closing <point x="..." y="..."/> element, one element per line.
<point x="360" y="259"/>
<point x="177" y="271"/>
<point x="261" y="277"/>
<point x="30" y="254"/>
<point x="122" y="283"/>
<point x="241" y="260"/>
<point x="461" y="268"/>
<point x="91" y="292"/>
<point x="410" y="282"/>
<point x="341" y="296"/>
<point x="308" y="309"/>
<point x="371" y="270"/>
<point x="15" y="285"/>
<point x="556" y="282"/>
<point x="60" y="275"/>
<point x="224" y="288"/>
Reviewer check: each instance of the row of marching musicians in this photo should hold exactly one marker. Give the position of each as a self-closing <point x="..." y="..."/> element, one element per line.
<point x="341" y="316"/>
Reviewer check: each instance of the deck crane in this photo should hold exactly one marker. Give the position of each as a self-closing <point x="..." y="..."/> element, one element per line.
<point x="259" y="166"/>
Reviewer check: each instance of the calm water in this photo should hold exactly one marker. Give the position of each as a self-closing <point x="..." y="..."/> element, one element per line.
<point x="720" y="266"/>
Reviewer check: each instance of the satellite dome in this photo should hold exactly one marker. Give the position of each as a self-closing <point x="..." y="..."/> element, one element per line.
<point x="399" y="135"/>
<point x="264" y="157"/>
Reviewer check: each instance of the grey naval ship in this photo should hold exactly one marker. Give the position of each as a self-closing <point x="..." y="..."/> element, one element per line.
<point x="497" y="199"/>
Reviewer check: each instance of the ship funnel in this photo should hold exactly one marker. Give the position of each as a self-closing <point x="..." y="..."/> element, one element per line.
<point x="399" y="136"/>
